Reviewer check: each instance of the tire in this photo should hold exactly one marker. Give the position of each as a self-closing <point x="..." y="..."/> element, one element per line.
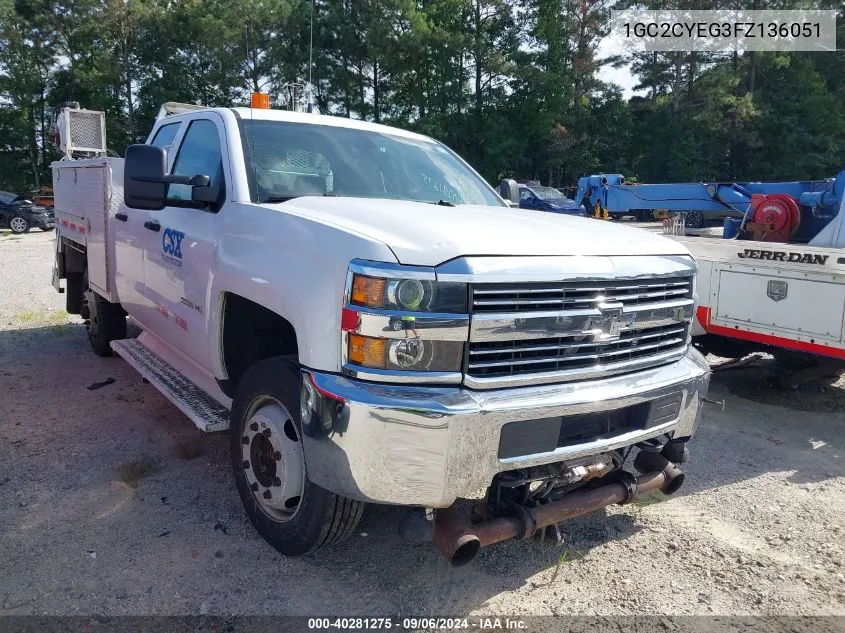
<point x="105" y="321"/>
<point x="47" y="228"/>
<point x="319" y="517"/>
<point x="793" y="361"/>
<point x="721" y="346"/>
<point x="75" y="295"/>
<point x="19" y="224"/>
<point x="644" y="216"/>
<point x="694" y="220"/>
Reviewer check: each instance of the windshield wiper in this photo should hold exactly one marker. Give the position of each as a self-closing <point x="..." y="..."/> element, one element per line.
<point x="443" y="203"/>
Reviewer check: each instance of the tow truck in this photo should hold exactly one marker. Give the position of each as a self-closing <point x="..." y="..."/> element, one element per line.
<point x="773" y="278"/>
<point x="372" y="322"/>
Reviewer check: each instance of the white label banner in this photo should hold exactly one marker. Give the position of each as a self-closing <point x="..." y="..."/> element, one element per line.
<point x="725" y="30"/>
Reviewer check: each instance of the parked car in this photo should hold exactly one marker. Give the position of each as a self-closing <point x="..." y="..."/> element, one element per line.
<point x="21" y="214"/>
<point x="548" y="199"/>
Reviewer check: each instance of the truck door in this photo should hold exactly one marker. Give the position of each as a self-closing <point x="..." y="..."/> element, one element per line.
<point x="130" y="242"/>
<point x="181" y="243"/>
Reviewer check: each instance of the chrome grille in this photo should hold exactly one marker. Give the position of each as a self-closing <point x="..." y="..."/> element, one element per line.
<point x="570" y="352"/>
<point x="538" y="332"/>
<point x="527" y="297"/>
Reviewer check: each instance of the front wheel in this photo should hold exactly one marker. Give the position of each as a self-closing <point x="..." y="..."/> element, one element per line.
<point x="19" y="225"/>
<point x="290" y="512"/>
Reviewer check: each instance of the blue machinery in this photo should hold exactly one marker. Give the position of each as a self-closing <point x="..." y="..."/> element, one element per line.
<point x="769" y="211"/>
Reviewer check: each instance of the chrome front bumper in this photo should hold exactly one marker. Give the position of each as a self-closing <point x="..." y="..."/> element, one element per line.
<point x="427" y="446"/>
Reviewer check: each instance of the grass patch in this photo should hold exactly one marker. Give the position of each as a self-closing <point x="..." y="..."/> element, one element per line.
<point x="564" y="555"/>
<point x="55" y="317"/>
<point x="133" y="472"/>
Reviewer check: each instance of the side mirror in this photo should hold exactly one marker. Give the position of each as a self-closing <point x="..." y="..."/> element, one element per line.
<point x="144" y="185"/>
<point x="509" y="190"/>
<point x="145" y="181"/>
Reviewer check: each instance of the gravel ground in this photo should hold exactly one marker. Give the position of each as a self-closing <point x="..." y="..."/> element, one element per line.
<point x="112" y="503"/>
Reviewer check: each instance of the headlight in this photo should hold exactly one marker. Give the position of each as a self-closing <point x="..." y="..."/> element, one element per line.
<point x="403" y="325"/>
<point x="405" y="354"/>
<point x="409" y="295"/>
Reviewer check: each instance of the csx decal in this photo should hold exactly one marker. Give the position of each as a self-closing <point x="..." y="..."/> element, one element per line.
<point x="171" y="245"/>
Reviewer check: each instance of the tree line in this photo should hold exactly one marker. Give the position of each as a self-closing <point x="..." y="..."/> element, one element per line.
<point x="512" y="85"/>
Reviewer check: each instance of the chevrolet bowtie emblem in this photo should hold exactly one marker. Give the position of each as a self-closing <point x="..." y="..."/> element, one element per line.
<point x="608" y="326"/>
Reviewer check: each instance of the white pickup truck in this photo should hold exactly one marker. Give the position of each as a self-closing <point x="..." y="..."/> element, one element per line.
<point x="373" y="323"/>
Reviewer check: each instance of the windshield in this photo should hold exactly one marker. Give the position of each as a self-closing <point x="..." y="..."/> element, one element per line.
<point x="286" y="160"/>
<point x="6" y="197"/>
<point x="548" y="193"/>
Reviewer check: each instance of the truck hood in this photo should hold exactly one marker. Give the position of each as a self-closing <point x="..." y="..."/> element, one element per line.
<point x="428" y="234"/>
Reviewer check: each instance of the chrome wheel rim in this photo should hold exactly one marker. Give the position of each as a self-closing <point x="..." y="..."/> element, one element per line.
<point x="272" y="459"/>
<point x="18" y="225"/>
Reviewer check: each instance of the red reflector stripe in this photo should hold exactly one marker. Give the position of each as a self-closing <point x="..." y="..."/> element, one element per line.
<point x="349" y="320"/>
<point x="766" y="339"/>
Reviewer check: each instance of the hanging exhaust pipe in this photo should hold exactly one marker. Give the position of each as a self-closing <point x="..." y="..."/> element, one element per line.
<point x="459" y="540"/>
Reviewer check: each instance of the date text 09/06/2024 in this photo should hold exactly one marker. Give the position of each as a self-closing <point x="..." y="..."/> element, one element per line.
<point x="416" y="624"/>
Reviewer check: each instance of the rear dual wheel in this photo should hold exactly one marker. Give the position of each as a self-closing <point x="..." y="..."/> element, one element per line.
<point x="105" y="321"/>
<point x="290" y="512"/>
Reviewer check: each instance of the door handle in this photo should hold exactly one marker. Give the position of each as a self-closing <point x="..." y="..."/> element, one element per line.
<point x="121" y="216"/>
<point x="153" y="226"/>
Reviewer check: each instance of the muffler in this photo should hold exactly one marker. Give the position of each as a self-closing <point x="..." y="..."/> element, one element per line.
<point x="459" y="540"/>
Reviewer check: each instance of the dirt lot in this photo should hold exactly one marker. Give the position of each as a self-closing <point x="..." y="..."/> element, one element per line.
<point x="112" y="503"/>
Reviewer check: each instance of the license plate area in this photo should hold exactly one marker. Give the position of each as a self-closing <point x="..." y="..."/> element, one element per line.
<point x="529" y="437"/>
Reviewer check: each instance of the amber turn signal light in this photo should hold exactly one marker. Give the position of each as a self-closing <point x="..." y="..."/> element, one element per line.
<point x="368" y="291"/>
<point x="366" y="351"/>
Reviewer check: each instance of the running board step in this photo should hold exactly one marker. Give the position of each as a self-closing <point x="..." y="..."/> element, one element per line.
<point x="203" y="410"/>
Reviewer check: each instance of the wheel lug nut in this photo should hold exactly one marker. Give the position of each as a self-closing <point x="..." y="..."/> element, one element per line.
<point x="253" y="427"/>
<point x="277" y="482"/>
<point x="245" y="440"/>
<point x="254" y="487"/>
<point x="267" y="494"/>
<point x="245" y="465"/>
<point x="267" y="433"/>
<point x="277" y="456"/>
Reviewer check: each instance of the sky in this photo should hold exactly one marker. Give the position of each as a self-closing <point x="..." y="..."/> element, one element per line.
<point x="612" y="45"/>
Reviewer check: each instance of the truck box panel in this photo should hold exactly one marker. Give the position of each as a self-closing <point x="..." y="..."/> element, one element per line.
<point x="781" y="303"/>
<point x="87" y="195"/>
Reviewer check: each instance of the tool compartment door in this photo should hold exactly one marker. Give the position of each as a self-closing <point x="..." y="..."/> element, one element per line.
<point x="785" y="303"/>
<point x="82" y="199"/>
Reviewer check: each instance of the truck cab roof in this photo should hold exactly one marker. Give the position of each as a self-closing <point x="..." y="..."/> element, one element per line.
<point x="289" y="116"/>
